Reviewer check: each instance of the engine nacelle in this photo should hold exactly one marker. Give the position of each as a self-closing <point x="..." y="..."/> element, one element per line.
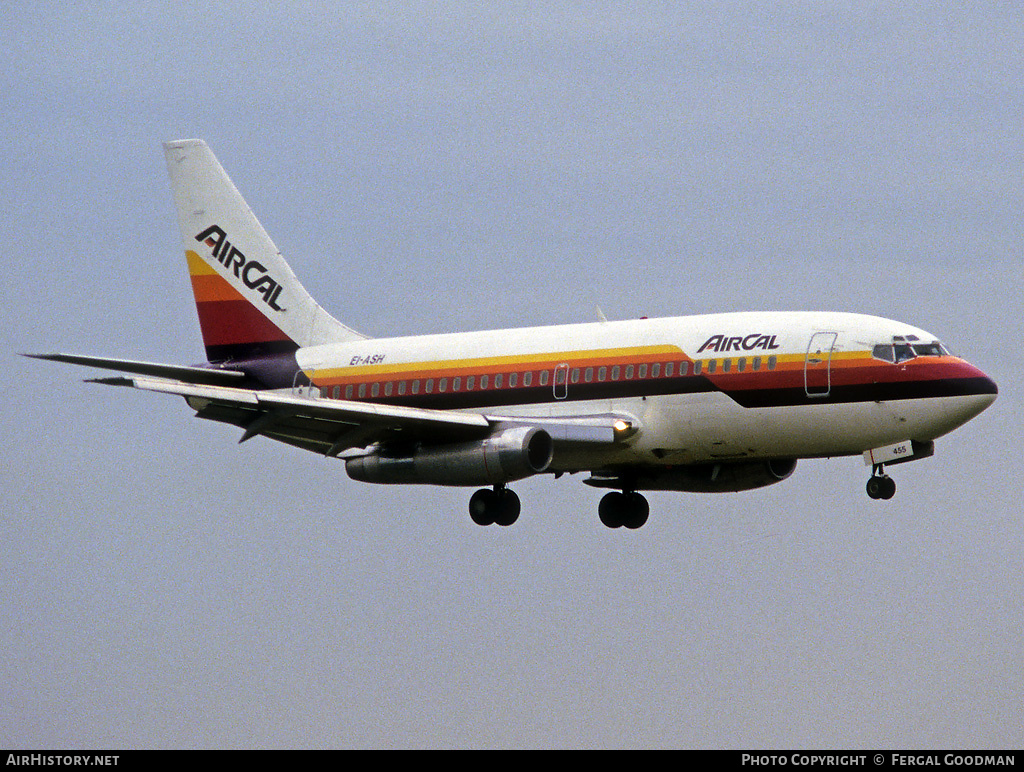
<point x="507" y="455"/>
<point x="725" y="477"/>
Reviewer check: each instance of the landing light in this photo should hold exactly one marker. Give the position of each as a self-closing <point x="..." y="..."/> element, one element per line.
<point x="623" y="428"/>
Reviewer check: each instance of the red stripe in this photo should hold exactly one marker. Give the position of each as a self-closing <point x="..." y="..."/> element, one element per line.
<point x="226" y="322"/>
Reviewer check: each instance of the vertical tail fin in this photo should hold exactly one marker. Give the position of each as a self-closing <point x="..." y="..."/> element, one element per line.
<point x="249" y="301"/>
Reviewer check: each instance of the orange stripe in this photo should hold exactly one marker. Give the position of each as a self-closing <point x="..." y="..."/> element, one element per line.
<point x="207" y="288"/>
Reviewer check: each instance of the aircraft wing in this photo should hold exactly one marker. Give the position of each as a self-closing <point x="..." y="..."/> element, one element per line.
<point x="330" y="426"/>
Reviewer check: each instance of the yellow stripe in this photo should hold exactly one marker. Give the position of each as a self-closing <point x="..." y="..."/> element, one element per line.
<point x="554" y="358"/>
<point x="197" y="266"/>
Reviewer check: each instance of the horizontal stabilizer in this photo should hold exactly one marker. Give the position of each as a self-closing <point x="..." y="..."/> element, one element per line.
<point x="199" y="375"/>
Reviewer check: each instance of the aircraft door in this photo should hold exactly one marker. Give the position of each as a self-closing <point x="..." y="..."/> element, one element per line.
<point x="561" y="383"/>
<point x="818" y="364"/>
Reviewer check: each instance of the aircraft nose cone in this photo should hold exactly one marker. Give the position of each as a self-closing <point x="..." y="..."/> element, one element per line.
<point x="982" y="390"/>
<point x="992" y="385"/>
<point x="986" y="387"/>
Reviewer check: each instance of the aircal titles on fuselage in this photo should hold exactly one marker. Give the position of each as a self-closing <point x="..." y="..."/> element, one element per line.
<point x="752" y="342"/>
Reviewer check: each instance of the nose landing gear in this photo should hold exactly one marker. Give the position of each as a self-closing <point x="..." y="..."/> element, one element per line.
<point x="881" y="485"/>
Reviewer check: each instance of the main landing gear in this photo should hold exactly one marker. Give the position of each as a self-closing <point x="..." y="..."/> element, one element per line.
<point x="881" y="485"/>
<point x="494" y="507"/>
<point x="500" y="506"/>
<point x="625" y="509"/>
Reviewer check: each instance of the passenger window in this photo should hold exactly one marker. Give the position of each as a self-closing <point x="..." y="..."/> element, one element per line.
<point x="655" y="370"/>
<point x="337" y="392"/>
<point x="629" y="372"/>
<point x="416" y="386"/>
<point x="771" y="362"/>
<point x="642" y="372"/>
<point x="527" y="378"/>
<point x="457" y="383"/>
<point x="741" y="364"/>
<point x="684" y="368"/>
<point x="543" y="377"/>
<point x="470" y="382"/>
<point x="442" y="385"/>
<point x="388" y="388"/>
<point x="401" y="388"/>
<point x="362" y="390"/>
<point x="575" y="375"/>
<point x="602" y="373"/>
<point x="726" y="365"/>
<point x="513" y="379"/>
<point x="497" y="381"/>
<point x="670" y="369"/>
<point x="711" y="365"/>
<point x="375" y="390"/>
<point x="755" y="363"/>
<point x="588" y="376"/>
<point x="697" y="365"/>
<point x="484" y="381"/>
<point x="348" y="391"/>
<point x="615" y="373"/>
<point x="429" y="386"/>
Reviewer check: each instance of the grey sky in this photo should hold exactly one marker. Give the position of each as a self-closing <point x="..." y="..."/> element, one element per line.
<point x="429" y="168"/>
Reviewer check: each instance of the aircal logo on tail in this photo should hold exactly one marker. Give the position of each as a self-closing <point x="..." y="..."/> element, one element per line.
<point x="722" y="343"/>
<point x="252" y="273"/>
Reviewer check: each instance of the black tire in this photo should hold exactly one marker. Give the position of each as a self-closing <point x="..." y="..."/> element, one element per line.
<point x="636" y="511"/>
<point x="611" y="509"/>
<point x="881" y="487"/>
<point x="482" y="506"/>
<point x="888" y="488"/>
<point x="506" y="507"/>
<point x="874" y="487"/>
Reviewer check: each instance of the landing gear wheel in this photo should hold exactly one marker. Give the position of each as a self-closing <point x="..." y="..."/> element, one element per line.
<point x="489" y="507"/>
<point x="481" y="507"/>
<point x="881" y="487"/>
<point x="506" y="510"/>
<point x="637" y="511"/>
<point x="629" y="510"/>
<point x="611" y="508"/>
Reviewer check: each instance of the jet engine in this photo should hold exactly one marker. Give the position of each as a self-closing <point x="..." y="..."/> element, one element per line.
<point x="507" y="455"/>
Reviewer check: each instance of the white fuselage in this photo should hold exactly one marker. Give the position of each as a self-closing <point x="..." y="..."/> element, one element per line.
<point x="756" y="385"/>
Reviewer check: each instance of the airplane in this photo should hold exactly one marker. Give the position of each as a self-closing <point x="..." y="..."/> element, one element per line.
<point x="710" y="403"/>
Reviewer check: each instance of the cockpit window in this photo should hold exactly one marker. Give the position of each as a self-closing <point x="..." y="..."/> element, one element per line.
<point x="904" y="351"/>
<point x="884" y="352"/>
<point x="904" y="348"/>
<point x="933" y="349"/>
